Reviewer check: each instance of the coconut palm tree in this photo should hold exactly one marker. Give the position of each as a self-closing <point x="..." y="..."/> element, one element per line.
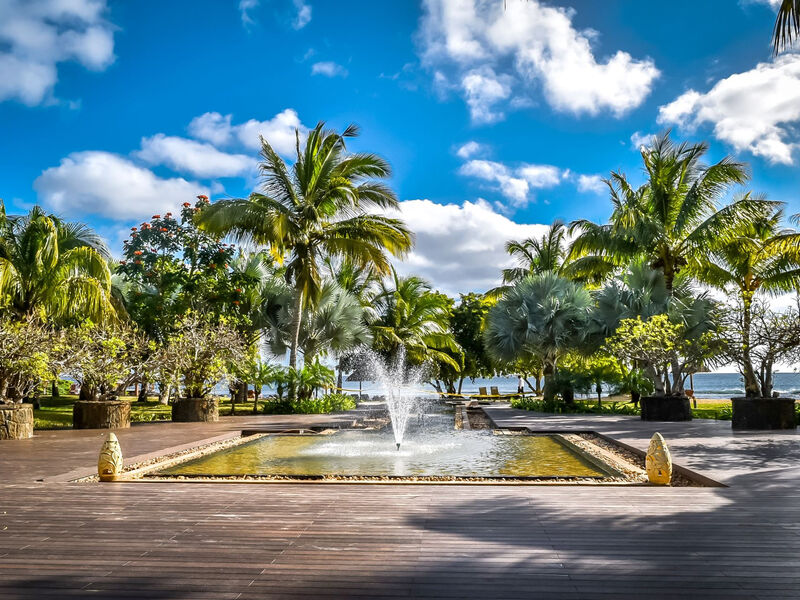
<point x="542" y="317"/>
<point x="414" y="317"/>
<point x="534" y="256"/>
<point x="53" y="267"/>
<point x="320" y="207"/>
<point x="787" y="25"/>
<point x="670" y="219"/>
<point x="762" y="256"/>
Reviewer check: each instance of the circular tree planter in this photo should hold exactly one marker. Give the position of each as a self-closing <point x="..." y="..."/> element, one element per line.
<point x="16" y="421"/>
<point x="666" y="408"/>
<point x="101" y="414"/>
<point x="194" y="410"/>
<point x="763" y="413"/>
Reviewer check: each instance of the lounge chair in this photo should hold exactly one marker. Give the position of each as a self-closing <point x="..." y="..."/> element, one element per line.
<point x="495" y="391"/>
<point x="482" y="391"/>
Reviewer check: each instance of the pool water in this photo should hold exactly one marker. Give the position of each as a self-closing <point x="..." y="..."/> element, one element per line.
<point x="431" y="452"/>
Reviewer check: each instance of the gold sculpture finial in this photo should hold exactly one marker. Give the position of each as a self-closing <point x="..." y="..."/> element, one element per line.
<point x="658" y="461"/>
<point x="109" y="464"/>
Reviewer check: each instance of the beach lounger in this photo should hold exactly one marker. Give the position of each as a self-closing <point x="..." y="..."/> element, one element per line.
<point x="495" y="391"/>
<point x="482" y="391"/>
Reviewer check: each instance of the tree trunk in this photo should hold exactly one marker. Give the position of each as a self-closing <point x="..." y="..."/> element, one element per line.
<point x="256" y="396"/>
<point x="54" y="389"/>
<point x="164" y="393"/>
<point x="296" y="322"/>
<point x="549" y="385"/>
<point x="751" y="387"/>
<point x="143" y="392"/>
<point x="460" y="382"/>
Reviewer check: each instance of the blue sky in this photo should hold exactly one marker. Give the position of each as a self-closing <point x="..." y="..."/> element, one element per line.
<point x="496" y="121"/>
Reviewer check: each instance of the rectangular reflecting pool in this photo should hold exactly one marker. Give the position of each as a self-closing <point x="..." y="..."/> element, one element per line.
<point x="438" y="453"/>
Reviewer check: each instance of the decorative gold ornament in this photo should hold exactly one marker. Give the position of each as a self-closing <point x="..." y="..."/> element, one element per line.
<point x="109" y="464"/>
<point x="658" y="461"/>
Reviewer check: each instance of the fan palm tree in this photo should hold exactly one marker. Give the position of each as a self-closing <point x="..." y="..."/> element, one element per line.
<point x="761" y="257"/>
<point x="542" y="317"/>
<point x="787" y="25"/>
<point x="52" y="267"/>
<point x="670" y="219"/>
<point x="336" y="324"/>
<point x="415" y="318"/>
<point x="320" y="207"/>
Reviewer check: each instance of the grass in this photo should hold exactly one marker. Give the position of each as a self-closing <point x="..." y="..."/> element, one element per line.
<point x="620" y="405"/>
<point x="56" y="413"/>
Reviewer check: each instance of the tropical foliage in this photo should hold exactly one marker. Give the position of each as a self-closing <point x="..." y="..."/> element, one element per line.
<point x="669" y="219"/>
<point x="319" y="208"/>
<point x="52" y="269"/>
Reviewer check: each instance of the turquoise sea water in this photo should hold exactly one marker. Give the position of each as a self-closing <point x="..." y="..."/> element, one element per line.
<point x="706" y="385"/>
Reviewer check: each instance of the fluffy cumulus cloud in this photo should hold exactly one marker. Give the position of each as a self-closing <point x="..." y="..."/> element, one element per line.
<point x="111" y="186"/>
<point x="190" y="156"/>
<point x="470" y="149"/>
<point x="498" y="51"/>
<point x="302" y="15"/>
<point x="460" y="248"/>
<point x="641" y="140"/>
<point x="515" y="184"/>
<point x="279" y="131"/>
<point x="591" y="183"/>
<point x="328" y="69"/>
<point x="757" y="111"/>
<point x="37" y="35"/>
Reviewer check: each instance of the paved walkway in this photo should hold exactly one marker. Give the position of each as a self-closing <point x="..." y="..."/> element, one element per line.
<point x="195" y="540"/>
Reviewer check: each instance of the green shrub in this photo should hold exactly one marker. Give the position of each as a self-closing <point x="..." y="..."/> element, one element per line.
<point x="326" y="404"/>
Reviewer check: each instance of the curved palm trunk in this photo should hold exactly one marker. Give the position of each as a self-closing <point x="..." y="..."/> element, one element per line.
<point x="296" y="322"/>
<point x="549" y="392"/>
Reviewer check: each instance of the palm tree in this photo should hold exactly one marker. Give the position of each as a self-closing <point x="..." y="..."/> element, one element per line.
<point x="787" y="25"/>
<point x="321" y="207"/>
<point x="541" y="317"/>
<point x="336" y="324"/>
<point x="415" y="318"/>
<point x="534" y="256"/>
<point x="52" y="267"/>
<point x="760" y="257"/>
<point x="670" y="219"/>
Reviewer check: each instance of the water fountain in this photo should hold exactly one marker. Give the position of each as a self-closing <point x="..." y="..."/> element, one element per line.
<point x="399" y="384"/>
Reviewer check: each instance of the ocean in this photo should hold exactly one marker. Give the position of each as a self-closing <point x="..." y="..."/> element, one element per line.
<point x="706" y="385"/>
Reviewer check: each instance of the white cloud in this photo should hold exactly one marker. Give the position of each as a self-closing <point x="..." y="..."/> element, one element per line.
<point x="279" y="131"/>
<point x="483" y="89"/>
<point x="35" y="36"/>
<point x="514" y="184"/>
<point x="470" y="149"/>
<point x="542" y="176"/>
<point x="328" y="69"/>
<point x="108" y="185"/>
<point x="757" y="111"/>
<point x="513" y="188"/>
<point x="460" y="248"/>
<point x="641" y="140"/>
<point x="190" y="156"/>
<point x="245" y="6"/>
<point x="495" y="48"/>
<point x="212" y="127"/>
<point x="591" y="183"/>
<point x="303" y="16"/>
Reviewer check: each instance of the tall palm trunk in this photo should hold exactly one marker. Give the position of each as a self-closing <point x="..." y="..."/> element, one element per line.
<point x="296" y="322"/>
<point x="752" y="389"/>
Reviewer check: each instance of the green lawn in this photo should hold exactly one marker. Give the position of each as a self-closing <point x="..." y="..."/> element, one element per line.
<point x="56" y="413"/>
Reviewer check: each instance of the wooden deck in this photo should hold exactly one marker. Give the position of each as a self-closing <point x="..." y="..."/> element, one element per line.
<point x="204" y="540"/>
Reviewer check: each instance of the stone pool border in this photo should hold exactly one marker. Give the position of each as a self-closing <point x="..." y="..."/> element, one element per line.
<point x="139" y="471"/>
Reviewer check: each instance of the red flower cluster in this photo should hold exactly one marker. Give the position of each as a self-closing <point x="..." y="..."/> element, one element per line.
<point x="163" y="229"/>
<point x="203" y="198"/>
<point x="156" y="216"/>
<point x="137" y="252"/>
<point x="187" y="204"/>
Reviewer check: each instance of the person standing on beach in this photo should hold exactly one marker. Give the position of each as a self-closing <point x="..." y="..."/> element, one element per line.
<point x="520" y="385"/>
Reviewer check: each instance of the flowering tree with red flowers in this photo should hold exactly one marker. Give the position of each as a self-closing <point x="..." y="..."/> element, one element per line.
<point x="171" y="268"/>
